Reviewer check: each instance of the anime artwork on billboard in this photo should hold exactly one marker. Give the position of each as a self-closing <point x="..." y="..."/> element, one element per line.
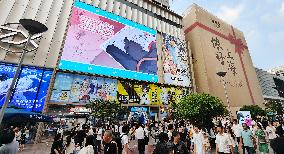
<point x="81" y="89"/>
<point x="148" y="94"/>
<point x="175" y="61"/>
<point x="103" y="43"/>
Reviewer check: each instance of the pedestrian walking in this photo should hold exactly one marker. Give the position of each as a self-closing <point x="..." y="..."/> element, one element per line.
<point x="161" y="146"/>
<point x="247" y="141"/>
<point x="89" y="146"/>
<point x="262" y="142"/>
<point x="198" y="141"/>
<point x="223" y="142"/>
<point x="110" y="146"/>
<point x="8" y="142"/>
<point x="177" y="146"/>
<point x="140" y="135"/>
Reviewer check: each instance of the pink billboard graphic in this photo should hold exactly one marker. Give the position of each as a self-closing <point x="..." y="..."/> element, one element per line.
<point x="101" y="39"/>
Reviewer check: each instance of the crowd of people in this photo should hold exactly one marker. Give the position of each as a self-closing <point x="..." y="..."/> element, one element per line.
<point x="175" y="137"/>
<point x="107" y="139"/>
<point x="167" y="137"/>
<point x="226" y="137"/>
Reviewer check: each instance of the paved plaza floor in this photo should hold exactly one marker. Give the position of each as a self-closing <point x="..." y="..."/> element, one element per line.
<point x="44" y="148"/>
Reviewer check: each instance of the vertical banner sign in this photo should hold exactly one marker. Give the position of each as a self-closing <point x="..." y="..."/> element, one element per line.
<point x="175" y="61"/>
<point x="100" y="42"/>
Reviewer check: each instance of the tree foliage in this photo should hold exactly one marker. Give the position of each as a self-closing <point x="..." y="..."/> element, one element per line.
<point x="255" y="110"/>
<point x="199" y="109"/>
<point x="107" y="110"/>
<point x="275" y="107"/>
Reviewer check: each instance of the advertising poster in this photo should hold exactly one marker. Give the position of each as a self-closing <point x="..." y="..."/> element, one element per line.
<point x="148" y="94"/>
<point x="100" y="42"/>
<point x="244" y="117"/>
<point x="175" y="61"/>
<point x="73" y="88"/>
<point x="31" y="86"/>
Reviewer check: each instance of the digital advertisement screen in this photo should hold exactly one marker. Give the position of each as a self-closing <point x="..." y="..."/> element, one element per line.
<point x="72" y="88"/>
<point x="31" y="86"/>
<point x="130" y="92"/>
<point x="75" y="88"/>
<point x="175" y="61"/>
<point x="100" y="42"/>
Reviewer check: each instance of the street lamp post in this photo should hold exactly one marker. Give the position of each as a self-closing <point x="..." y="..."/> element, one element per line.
<point x="33" y="27"/>
<point x="222" y="74"/>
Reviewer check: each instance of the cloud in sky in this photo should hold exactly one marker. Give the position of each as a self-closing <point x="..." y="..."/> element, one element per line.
<point x="282" y="7"/>
<point x="230" y="14"/>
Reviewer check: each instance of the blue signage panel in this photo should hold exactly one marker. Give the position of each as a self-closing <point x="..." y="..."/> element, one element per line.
<point x="31" y="86"/>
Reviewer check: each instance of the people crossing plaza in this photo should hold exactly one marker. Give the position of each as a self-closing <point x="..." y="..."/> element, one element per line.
<point x="103" y="139"/>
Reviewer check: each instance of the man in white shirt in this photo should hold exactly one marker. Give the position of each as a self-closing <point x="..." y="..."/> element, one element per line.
<point x="237" y="128"/>
<point x="223" y="142"/>
<point x="140" y="134"/>
<point x="198" y="141"/>
<point x="124" y="140"/>
<point x="99" y="138"/>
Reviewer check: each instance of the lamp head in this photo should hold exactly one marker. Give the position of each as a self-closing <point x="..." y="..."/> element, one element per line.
<point x="222" y="73"/>
<point x="32" y="26"/>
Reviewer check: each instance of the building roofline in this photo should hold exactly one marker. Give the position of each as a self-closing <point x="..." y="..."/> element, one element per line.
<point x="161" y="7"/>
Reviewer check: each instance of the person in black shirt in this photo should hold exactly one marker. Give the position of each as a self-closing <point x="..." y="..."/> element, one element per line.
<point x="57" y="145"/>
<point x="81" y="135"/>
<point x="161" y="147"/>
<point x="280" y="129"/>
<point x="177" y="146"/>
<point x="110" y="145"/>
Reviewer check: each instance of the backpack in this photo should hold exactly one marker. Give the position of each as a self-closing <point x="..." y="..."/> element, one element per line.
<point x="118" y="139"/>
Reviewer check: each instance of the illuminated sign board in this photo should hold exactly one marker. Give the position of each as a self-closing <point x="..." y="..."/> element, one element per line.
<point x="31" y="86"/>
<point x="100" y="42"/>
<point x="72" y="88"/>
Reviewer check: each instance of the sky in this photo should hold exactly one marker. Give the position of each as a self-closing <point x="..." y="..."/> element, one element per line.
<point x="262" y="22"/>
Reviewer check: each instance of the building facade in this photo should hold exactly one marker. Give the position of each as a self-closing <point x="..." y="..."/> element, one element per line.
<point x="130" y="51"/>
<point x="278" y="79"/>
<point x="219" y="47"/>
<point x="267" y="83"/>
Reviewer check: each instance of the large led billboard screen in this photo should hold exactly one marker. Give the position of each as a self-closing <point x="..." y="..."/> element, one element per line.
<point x="31" y="86"/>
<point x="72" y="88"/>
<point x="100" y="42"/>
<point x="75" y="88"/>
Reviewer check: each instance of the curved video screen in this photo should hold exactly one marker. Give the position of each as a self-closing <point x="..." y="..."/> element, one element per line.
<point x="100" y="42"/>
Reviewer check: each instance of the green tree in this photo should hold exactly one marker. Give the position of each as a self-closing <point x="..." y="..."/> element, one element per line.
<point x="107" y="110"/>
<point x="274" y="106"/>
<point x="199" y="109"/>
<point x="255" y="110"/>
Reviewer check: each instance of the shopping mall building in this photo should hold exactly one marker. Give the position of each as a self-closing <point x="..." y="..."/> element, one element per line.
<point x="136" y="52"/>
